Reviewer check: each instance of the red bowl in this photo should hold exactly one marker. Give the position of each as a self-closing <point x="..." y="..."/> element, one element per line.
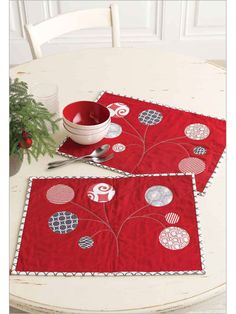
<point x="86" y="113"/>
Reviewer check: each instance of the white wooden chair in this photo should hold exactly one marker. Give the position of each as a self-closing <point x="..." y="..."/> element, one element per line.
<point x="43" y="32"/>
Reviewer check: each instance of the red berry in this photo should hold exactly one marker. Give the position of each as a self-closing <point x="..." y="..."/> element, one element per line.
<point x="28" y="143"/>
<point x="25" y="135"/>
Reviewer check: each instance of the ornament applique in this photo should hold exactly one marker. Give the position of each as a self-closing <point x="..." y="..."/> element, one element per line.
<point x="150" y="117"/>
<point x="85" y="242"/>
<point x="197" y="131"/>
<point x="174" y="238"/>
<point x="63" y="222"/>
<point x="118" y="110"/>
<point x="101" y="192"/>
<point x="172" y="218"/>
<point x="158" y="195"/>
<point x="200" y="150"/>
<point x="118" y="148"/>
<point x="114" y="130"/>
<point x="60" y="194"/>
<point x="192" y="164"/>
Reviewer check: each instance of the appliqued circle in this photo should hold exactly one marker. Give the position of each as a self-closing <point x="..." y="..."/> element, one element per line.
<point x="118" y="110"/>
<point x="114" y="130"/>
<point x="101" y="192"/>
<point x="197" y="131"/>
<point x="199" y="150"/>
<point x="85" y="242"/>
<point x="174" y="238"/>
<point x="118" y="148"/>
<point x="63" y="222"/>
<point x="172" y="218"/>
<point x="158" y="195"/>
<point x="192" y="164"/>
<point x="150" y="117"/>
<point x="60" y="194"/>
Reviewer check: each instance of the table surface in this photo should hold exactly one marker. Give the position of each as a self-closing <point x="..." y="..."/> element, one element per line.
<point x="150" y="74"/>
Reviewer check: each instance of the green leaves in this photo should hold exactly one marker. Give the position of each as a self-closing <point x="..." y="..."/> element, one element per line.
<point x="32" y="117"/>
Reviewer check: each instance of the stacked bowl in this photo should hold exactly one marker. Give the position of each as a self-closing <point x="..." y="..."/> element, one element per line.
<point x="86" y="122"/>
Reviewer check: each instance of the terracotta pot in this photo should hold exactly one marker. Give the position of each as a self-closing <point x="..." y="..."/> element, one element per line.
<point x="15" y="165"/>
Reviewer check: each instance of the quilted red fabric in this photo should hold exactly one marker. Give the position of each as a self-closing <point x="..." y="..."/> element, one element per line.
<point x="151" y="138"/>
<point x="129" y="224"/>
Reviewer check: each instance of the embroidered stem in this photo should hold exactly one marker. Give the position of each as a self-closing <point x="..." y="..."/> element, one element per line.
<point x="102" y="221"/>
<point x="122" y="225"/>
<point x="163" y="142"/>
<point x="146" y="216"/>
<point x="103" y="230"/>
<point x="136" y="131"/>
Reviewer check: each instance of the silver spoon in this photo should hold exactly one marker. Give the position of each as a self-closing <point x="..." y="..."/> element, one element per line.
<point x="96" y="153"/>
<point x="93" y="159"/>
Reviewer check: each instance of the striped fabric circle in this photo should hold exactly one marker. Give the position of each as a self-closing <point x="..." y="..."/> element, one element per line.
<point x="85" y="242"/>
<point x="60" y="194"/>
<point x="172" y="218"/>
<point x="192" y="164"/>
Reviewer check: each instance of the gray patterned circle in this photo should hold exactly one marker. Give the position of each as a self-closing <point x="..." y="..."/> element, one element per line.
<point x="85" y="242"/>
<point x="150" y="117"/>
<point x="199" y="150"/>
<point x="158" y="195"/>
<point x="63" y="222"/>
<point x="114" y="130"/>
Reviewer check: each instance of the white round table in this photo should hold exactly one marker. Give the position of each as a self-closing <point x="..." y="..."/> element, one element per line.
<point x="150" y="74"/>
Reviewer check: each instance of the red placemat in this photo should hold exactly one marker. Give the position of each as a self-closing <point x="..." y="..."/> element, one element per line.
<point x="153" y="138"/>
<point x="139" y="225"/>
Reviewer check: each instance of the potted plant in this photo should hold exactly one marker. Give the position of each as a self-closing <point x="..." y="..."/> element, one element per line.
<point x="30" y="123"/>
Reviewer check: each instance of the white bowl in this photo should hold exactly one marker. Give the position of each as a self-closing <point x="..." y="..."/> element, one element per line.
<point x="89" y="138"/>
<point x="86" y="130"/>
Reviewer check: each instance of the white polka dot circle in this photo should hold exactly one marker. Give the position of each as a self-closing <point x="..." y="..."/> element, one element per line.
<point x="172" y="218"/>
<point x="114" y="130"/>
<point x="158" y="195"/>
<point x="192" y="164"/>
<point x="118" y="148"/>
<point x="197" y="131"/>
<point x="101" y="192"/>
<point x="174" y="238"/>
<point x="118" y="110"/>
<point x="60" y="194"/>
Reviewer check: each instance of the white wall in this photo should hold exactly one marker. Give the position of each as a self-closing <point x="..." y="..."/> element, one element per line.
<point x="193" y="27"/>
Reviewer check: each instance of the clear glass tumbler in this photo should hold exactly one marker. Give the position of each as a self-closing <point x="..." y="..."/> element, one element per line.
<point x="47" y="94"/>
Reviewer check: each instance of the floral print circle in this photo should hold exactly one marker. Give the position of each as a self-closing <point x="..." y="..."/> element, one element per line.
<point x="63" y="222"/>
<point x="192" y="164"/>
<point x="118" y="148"/>
<point x="172" y="218"/>
<point x="118" y="110"/>
<point x="101" y="192"/>
<point x="197" y="131"/>
<point x="158" y="195"/>
<point x="60" y="194"/>
<point x="114" y="130"/>
<point x="150" y="117"/>
<point x="85" y="242"/>
<point x="174" y="238"/>
<point x="199" y="150"/>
